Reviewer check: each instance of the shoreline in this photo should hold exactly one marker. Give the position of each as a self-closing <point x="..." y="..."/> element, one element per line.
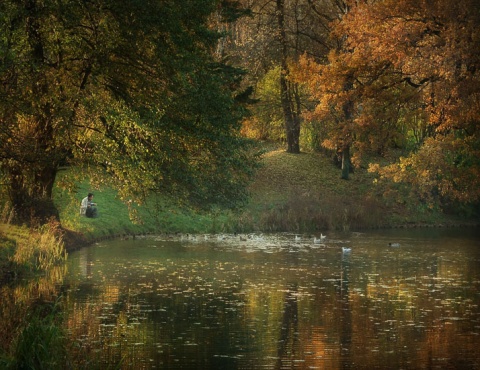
<point x="75" y="240"/>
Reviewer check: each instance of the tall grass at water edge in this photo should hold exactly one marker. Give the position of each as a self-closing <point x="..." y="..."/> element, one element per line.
<point x="25" y="250"/>
<point x="41" y="341"/>
<point x="300" y="213"/>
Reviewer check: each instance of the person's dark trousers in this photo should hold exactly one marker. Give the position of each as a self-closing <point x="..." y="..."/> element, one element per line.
<point x="91" y="212"/>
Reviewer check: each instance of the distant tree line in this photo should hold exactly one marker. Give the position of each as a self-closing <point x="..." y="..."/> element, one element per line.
<point x="371" y="79"/>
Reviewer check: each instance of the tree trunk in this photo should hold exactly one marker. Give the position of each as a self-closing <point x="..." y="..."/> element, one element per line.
<point x="348" y="116"/>
<point x="345" y="162"/>
<point x="289" y="91"/>
<point x="31" y="195"/>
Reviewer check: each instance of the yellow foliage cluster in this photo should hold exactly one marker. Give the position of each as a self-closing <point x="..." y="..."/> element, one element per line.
<point x="405" y="71"/>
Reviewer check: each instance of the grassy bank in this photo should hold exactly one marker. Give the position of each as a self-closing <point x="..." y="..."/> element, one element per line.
<point x="117" y="220"/>
<point x="304" y="192"/>
<point x="291" y="192"/>
<point x="297" y="193"/>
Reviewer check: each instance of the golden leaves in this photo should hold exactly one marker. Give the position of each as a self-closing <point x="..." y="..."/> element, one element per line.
<point x="407" y="72"/>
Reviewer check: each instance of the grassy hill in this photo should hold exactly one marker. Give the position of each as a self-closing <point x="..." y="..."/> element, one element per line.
<point x="304" y="192"/>
<point x="291" y="192"/>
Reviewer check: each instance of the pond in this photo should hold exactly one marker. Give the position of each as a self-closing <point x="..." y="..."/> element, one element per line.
<point x="403" y="299"/>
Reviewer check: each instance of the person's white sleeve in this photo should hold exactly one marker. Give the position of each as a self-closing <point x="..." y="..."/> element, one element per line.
<point x="83" y="206"/>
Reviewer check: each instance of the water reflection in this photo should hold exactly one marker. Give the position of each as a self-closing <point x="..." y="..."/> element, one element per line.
<point x="16" y="302"/>
<point x="346" y="313"/>
<point x="273" y="302"/>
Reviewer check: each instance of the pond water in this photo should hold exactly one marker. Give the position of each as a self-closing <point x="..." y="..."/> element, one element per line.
<point x="400" y="299"/>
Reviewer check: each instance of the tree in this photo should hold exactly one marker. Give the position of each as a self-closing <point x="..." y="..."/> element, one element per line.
<point x="127" y="92"/>
<point x="266" y="119"/>
<point x="289" y="94"/>
<point x="411" y="62"/>
<point x="277" y="32"/>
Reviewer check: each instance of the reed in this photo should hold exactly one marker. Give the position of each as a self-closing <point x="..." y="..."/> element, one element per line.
<point x="42" y="249"/>
<point x="41" y="342"/>
<point x="7" y="214"/>
<point x="314" y="212"/>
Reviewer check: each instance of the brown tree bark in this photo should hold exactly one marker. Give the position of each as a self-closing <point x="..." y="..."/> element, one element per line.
<point x="31" y="194"/>
<point x="289" y="91"/>
<point x="348" y="115"/>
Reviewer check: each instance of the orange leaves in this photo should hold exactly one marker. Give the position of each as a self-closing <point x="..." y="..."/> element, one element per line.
<point x="406" y="72"/>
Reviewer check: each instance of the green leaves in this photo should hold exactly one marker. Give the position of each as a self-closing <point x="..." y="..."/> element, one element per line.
<point x="128" y="92"/>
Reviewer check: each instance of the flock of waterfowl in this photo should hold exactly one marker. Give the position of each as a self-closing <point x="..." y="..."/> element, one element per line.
<point x="264" y="241"/>
<point x="242" y="238"/>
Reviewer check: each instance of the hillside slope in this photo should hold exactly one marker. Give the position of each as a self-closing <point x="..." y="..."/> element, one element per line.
<point x="290" y="192"/>
<point x="301" y="192"/>
<point x="304" y="192"/>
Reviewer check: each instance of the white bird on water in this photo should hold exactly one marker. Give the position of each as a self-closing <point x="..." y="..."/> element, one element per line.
<point x="346" y="250"/>
<point x="319" y="240"/>
<point x="298" y="238"/>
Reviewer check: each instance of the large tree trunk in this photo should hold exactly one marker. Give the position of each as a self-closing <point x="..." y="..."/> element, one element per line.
<point x="289" y="92"/>
<point x="32" y="178"/>
<point x="31" y="195"/>
<point x="291" y="112"/>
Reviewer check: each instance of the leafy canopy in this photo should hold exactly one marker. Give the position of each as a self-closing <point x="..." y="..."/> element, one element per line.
<point x="415" y="73"/>
<point x="129" y="92"/>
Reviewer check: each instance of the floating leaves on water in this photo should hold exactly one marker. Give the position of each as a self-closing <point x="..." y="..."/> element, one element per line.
<point x="231" y="297"/>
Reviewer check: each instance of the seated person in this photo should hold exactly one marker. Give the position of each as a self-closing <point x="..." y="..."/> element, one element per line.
<point x="88" y="207"/>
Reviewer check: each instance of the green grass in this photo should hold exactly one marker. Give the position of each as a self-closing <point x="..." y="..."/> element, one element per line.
<point x="116" y="220"/>
<point x="113" y="217"/>
<point x="291" y="192"/>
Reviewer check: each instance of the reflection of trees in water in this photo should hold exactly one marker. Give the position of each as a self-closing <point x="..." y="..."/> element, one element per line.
<point x="85" y="261"/>
<point x="85" y="269"/>
<point x="18" y="300"/>
<point x="293" y="334"/>
<point x="332" y="312"/>
<point x="173" y="317"/>
<point x="289" y="330"/>
<point x="346" y="313"/>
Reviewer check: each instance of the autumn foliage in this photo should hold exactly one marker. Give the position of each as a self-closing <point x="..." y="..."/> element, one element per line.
<point x="410" y="71"/>
<point x="128" y="94"/>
